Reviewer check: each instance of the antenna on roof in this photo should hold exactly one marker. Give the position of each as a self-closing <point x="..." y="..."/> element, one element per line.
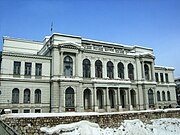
<point x="51" y="27"/>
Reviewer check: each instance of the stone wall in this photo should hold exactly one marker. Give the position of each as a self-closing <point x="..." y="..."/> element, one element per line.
<point x="31" y="125"/>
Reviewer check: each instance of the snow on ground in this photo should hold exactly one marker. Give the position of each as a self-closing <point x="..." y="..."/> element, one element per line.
<point x="164" y="126"/>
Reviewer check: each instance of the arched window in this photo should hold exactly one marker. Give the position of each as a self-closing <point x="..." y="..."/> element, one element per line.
<point x="146" y="71"/>
<point x="151" y="98"/>
<point x="168" y="96"/>
<point x="112" y="98"/>
<point x="86" y="68"/>
<point x="100" y="99"/>
<point x="26" y="96"/>
<point x="87" y="99"/>
<point x="98" y="68"/>
<point x="133" y="98"/>
<point x="15" y="96"/>
<point x="123" y="98"/>
<point x="158" y="96"/>
<point x="110" y="69"/>
<point x="68" y="66"/>
<point x="69" y="99"/>
<point x="120" y="70"/>
<point x="37" y="96"/>
<point x="130" y="71"/>
<point x="163" y="96"/>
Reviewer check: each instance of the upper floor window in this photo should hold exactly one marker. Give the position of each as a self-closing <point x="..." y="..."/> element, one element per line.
<point x="98" y="69"/>
<point x="17" y="68"/>
<point x="168" y="96"/>
<point x="146" y="71"/>
<point x="110" y="69"/>
<point x="28" y="67"/>
<point x="15" y="96"/>
<point x="163" y="96"/>
<point x="86" y="68"/>
<point x="38" y="71"/>
<point x="68" y="66"/>
<point x="162" y="77"/>
<point x="130" y="71"/>
<point x="120" y="70"/>
<point x="166" y="76"/>
<point x="157" y="77"/>
<point x="26" y="96"/>
<point x="37" y="96"/>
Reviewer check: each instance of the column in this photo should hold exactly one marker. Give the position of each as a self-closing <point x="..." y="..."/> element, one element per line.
<point x="95" y="99"/>
<point x="142" y="66"/>
<point x="92" y="68"/>
<point x="115" y="70"/>
<point x="126" y="71"/>
<point x="129" y="97"/>
<point x="108" y="108"/>
<point x="77" y="65"/>
<point x="61" y="64"/>
<point x="119" y="99"/>
<point x="104" y="69"/>
<point x="152" y="72"/>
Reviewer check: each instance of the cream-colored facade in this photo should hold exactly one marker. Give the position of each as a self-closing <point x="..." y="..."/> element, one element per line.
<point x="70" y="73"/>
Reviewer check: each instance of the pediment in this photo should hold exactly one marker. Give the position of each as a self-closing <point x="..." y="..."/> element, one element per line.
<point x="72" y="45"/>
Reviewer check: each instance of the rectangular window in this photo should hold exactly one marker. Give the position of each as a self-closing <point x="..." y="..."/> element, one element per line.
<point x="38" y="69"/>
<point x="28" y="68"/>
<point x="37" y="110"/>
<point x="166" y="76"/>
<point x="26" y="111"/>
<point x="162" y="77"/>
<point x="17" y="68"/>
<point x="157" y="78"/>
<point x="14" y="111"/>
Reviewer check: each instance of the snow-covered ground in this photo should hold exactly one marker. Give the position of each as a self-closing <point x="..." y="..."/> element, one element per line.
<point x="164" y="126"/>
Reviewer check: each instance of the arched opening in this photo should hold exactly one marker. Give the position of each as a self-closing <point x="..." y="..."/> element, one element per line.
<point x="163" y="96"/>
<point x="86" y="68"/>
<point x="168" y="96"/>
<point x="68" y="66"/>
<point x="158" y="96"/>
<point x="69" y="99"/>
<point x="146" y="71"/>
<point x="26" y="96"/>
<point x="120" y="70"/>
<point x="133" y="98"/>
<point x="100" y="99"/>
<point x="151" y="98"/>
<point x="37" y="96"/>
<point x="110" y="69"/>
<point x="131" y="71"/>
<point x="15" y="96"/>
<point x="123" y="98"/>
<point x="112" y="98"/>
<point x="87" y="99"/>
<point x="98" y="68"/>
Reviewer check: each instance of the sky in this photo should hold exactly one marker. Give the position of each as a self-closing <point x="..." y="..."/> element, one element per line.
<point x="149" y="23"/>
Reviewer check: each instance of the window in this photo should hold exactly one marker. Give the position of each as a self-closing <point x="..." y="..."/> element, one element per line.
<point x="28" y="68"/>
<point x="146" y="71"/>
<point x="69" y="98"/>
<point x="163" y="96"/>
<point x="168" y="96"/>
<point x="15" y="96"/>
<point x="162" y="77"/>
<point x="86" y="68"/>
<point x="38" y="71"/>
<point x="37" y="96"/>
<point x="157" y="77"/>
<point x="14" y="111"/>
<point x="120" y="70"/>
<point x="110" y="69"/>
<point x="26" y="96"/>
<point x="37" y="110"/>
<point x="98" y="68"/>
<point x="158" y="96"/>
<point x="17" y="68"/>
<point x="68" y="66"/>
<point x="130" y="71"/>
<point x="26" y="111"/>
<point x="151" y="98"/>
<point x="166" y="76"/>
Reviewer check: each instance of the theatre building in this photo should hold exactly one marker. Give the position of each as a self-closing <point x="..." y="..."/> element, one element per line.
<point x="69" y="73"/>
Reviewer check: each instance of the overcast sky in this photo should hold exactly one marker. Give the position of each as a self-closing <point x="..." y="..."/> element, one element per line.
<point x="149" y="23"/>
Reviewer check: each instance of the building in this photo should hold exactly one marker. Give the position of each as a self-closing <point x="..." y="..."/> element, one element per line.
<point x="177" y="81"/>
<point x="70" y="73"/>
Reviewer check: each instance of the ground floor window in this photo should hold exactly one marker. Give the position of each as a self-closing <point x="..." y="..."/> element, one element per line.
<point x="15" y="111"/>
<point x="37" y="110"/>
<point x="100" y="99"/>
<point x="123" y="98"/>
<point x="69" y="99"/>
<point x="87" y="99"/>
<point x="26" y="111"/>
